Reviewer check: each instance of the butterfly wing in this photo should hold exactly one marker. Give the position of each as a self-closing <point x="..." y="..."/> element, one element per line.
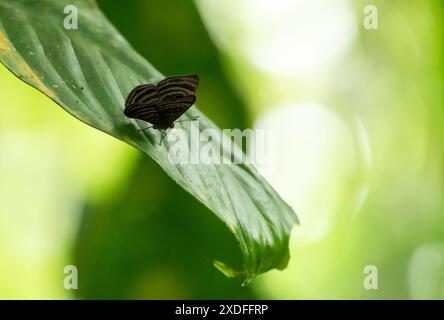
<point x="142" y="104"/>
<point x="176" y="96"/>
<point x="141" y="98"/>
<point x="177" y="86"/>
<point x="163" y="104"/>
<point x="170" y="111"/>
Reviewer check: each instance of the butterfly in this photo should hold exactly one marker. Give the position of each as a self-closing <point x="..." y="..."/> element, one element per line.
<point x="162" y="104"/>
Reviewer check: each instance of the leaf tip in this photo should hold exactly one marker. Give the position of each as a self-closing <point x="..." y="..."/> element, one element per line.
<point x="231" y="273"/>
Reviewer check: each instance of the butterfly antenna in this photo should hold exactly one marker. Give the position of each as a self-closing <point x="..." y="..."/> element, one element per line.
<point x="191" y="119"/>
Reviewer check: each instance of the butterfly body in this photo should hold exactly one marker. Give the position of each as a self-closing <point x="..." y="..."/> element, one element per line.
<point x="164" y="103"/>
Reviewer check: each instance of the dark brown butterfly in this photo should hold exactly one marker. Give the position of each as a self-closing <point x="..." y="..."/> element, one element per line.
<point x="164" y="103"/>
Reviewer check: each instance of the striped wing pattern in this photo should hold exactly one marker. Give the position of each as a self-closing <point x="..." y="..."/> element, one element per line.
<point x="163" y="104"/>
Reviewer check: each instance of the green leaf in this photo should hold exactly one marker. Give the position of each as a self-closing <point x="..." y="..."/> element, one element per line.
<point x="90" y="71"/>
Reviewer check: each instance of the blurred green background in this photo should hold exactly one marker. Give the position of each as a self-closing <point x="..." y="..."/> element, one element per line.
<point x="357" y="117"/>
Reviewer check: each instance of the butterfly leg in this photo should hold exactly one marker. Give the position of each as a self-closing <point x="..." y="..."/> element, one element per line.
<point x="146" y="128"/>
<point x="164" y="133"/>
